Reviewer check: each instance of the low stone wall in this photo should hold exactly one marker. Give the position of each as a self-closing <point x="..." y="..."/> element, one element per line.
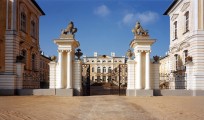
<point x="178" y="92"/>
<point x="36" y="92"/>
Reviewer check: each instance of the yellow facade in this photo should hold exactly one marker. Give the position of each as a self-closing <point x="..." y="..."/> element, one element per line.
<point x="19" y="38"/>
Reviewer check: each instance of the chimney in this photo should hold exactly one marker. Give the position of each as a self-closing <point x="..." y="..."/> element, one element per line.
<point x="112" y="54"/>
<point x="95" y="54"/>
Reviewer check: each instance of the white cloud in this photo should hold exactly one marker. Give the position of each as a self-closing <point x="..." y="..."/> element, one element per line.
<point x="145" y="17"/>
<point x="102" y="11"/>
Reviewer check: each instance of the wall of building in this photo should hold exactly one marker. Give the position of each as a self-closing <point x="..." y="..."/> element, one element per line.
<point x="190" y="40"/>
<point x="104" y="61"/>
<point x="14" y="40"/>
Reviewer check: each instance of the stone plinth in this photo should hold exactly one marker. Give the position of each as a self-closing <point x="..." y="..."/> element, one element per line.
<point x="64" y="92"/>
<point x="143" y="92"/>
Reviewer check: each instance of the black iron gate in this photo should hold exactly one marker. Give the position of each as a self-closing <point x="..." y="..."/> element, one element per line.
<point x="114" y="84"/>
<point x="86" y="79"/>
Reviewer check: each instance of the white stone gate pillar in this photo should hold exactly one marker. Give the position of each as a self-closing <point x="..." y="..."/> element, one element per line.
<point x="131" y="78"/>
<point x="77" y="77"/>
<point x="52" y="75"/>
<point x="141" y="45"/>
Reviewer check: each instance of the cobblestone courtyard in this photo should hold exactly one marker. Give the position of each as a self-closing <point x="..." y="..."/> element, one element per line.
<point x="101" y="108"/>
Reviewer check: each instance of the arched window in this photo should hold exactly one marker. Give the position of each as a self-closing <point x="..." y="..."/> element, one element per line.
<point x="187" y="21"/>
<point x="104" y="69"/>
<point x="33" y="62"/>
<point x="33" y="29"/>
<point x="23" y="22"/>
<point x="92" y="69"/>
<point x="98" y="70"/>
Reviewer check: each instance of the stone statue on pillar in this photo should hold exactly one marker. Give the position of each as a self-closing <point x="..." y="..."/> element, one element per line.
<point x="138" y="31"/>
<point x="69" y="31"/>
<point x="129" y="54"/>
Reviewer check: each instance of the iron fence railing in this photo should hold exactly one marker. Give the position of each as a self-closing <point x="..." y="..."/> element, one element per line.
<point x="172" y="81"/>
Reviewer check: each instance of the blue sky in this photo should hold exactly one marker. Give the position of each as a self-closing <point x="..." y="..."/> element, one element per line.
<point x="104" y="26"/>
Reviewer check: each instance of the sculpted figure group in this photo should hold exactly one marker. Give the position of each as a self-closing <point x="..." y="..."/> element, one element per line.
<point x="70" y="29"/>
<point x="138" y="30"/>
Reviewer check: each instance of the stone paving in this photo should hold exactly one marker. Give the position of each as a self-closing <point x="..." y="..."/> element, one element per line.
<point x="107" y="107"/>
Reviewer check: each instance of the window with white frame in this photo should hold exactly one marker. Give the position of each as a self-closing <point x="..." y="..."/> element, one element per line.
<point x="98" y="70"/>
<point x="109" y="69"/>
<point x="187" y="21"/>
<point x="104" y="69"/>
<point x="175" y="30"/>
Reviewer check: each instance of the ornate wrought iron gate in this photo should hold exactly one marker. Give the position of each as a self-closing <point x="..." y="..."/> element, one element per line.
<point x="86" y="79"/>
<point x="115" y="84"/>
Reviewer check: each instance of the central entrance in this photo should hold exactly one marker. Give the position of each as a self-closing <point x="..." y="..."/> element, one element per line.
<point x="112" y="82"/>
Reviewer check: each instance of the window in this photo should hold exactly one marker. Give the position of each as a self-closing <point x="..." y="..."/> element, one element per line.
<point x="33" y="29"/>
<point x="104" y="69"/>
<point x="92" y="78"/>
<point x="175" y="30"/>
<point x="104" y="78"/>
<point x="23" y="22"/>
<point x="24" y="54"/>
<point x="185" y="55"/>
<point x="92" y="69"/>
<point x="109" y="78"/>
<point x="176" y="61"/>
<point x="109" y="70"/>
<point x="33" y="62"/>
<point x="98" y="70"/>
<point x="98" y="78"/>
<point x="187" y="21"/>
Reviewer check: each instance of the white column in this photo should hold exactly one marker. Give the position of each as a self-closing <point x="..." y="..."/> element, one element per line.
<point x="69" y="70"/>
<point x="147" y="70"/>
<point x="139" y="71"/>
<point x="59" y="85"/>
<point x="196" y="14"/>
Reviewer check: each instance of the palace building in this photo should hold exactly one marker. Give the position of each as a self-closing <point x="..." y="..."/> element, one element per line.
<point x="19" y="45"/>
<point x="184" y="62"/>
<point x="104" y="68"/>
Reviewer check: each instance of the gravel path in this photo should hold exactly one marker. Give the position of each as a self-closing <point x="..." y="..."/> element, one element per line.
<point x="100" y="108"/>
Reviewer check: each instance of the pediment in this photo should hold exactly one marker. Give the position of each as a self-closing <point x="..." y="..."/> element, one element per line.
<point x="185" y="6"/>
<point x="174" y="17"/>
